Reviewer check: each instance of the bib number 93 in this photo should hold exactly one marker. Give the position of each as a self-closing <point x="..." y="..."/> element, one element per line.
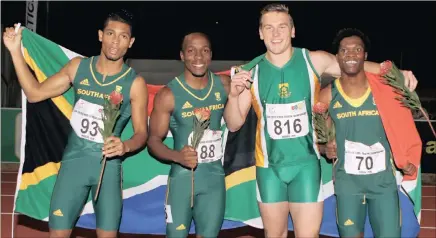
<point x="89" y="127"/>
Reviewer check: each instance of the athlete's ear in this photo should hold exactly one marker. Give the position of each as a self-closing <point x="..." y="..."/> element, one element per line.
<point x="100" y="35"/>
<point x="366" y="55"/>
<point x="182" y="57"/>
<point x="131" y="41"/>
<point x="293" y="32"/>
<point x="260" y="33"/>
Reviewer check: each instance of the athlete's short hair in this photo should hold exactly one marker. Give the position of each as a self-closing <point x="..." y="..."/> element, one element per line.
<point x="347" y="32"/>
<point x="123" y="16"/>
<point x="198" y="33"/>
<point x="274" y="7"/>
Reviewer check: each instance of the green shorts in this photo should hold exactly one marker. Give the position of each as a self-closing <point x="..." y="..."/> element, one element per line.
<point x="209" y="204"/>
<point x="297" y="184"/>
<point x="71" y="191"/>
<point x="383" y="210"/>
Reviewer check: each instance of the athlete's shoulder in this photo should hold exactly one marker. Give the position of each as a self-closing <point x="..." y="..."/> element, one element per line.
<point x="77" y="60"/>
<point x="72" y="68"/>
<point x="164" y="97"/>
<point x="320" y="55"/>
<point x="138" y="80"/>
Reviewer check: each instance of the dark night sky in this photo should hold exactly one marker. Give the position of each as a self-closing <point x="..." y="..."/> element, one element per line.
<point x="393" y="27"/>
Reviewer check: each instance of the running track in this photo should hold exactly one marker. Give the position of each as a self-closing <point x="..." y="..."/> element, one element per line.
<point x="28" y="227"/>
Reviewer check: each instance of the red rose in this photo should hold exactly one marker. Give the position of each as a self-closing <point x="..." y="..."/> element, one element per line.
<point x="115" y="98"/>
<point x="320" y="108"/>
<point x="202" y="114"/>
<point x="385" y="67"/>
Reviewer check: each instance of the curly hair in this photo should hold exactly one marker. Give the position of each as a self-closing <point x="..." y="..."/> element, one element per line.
<point x="347" y="32"/>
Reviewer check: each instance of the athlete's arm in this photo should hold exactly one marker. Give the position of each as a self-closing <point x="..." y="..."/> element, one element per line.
<point x="139" y="104"/>
<point x="326" y="63"/>
<point x="35" y="91"/>
<point x="159" y="126"/>
<point x="239" y="101"/>
<point x="53" y="86"/>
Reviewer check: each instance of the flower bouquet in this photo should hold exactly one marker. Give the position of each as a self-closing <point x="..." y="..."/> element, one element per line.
<point x="109" y="116"/>
<point x="320" y="115"/>
<point x="201" y="123"/>
<point x="393" y="77"/>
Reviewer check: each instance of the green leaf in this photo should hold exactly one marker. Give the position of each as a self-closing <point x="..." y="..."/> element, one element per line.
<point x="395" y="79"/>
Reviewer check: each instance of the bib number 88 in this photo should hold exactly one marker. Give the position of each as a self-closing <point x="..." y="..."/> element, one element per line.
<point x="88" y="126"/>
<point x="207" y="151"/>
<point x="296" y="126"/>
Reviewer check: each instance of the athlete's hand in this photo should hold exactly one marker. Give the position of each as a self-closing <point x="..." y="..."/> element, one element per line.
<point x="239" y="82"/>
<point x="187" y="157"/>
<point x="11" y="39"/>
<point x="410" y="80"/>
<point x="410" y="169"/>
<point x="113" y="146"/>
<point x="330" y="150"/>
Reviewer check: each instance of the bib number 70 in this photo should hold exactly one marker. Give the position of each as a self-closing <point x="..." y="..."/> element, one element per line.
<point x="369" y="163"/>
<point x="361" y="159"/>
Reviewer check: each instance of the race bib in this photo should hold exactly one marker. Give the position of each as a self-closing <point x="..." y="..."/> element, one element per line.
<point x="361" y="159"/>
<point x="287" y="120"/>
<point x="86" y="119"/>
<point x="210" y="147"/>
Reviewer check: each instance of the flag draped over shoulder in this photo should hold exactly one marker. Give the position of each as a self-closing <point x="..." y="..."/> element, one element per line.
<point x="145" y="178"/>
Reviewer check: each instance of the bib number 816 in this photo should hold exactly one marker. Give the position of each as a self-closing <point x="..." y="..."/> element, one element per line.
<point x="296" y="125"/>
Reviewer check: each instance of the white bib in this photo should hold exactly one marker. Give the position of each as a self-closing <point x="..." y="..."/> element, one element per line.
<point x="210" y="147"/>
<point x="86" y="119"/>
<point x="287" y="120"/>
<point x="361" y="159"/>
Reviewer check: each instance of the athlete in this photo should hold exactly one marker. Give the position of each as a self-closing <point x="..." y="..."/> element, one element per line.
<point x="364" y="169"/>
<point x="196" y="87"/>
<point x="282" y="89"/>
<point x="93" y="80"/>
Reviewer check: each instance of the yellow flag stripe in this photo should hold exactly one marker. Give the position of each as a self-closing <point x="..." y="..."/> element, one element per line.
<point x="60" y="101"/>
<point x="39" y="174"/>
<point x="240" y="177"/>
